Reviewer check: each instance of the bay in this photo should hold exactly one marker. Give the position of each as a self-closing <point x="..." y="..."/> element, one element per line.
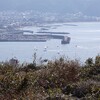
<point x="85" y="43"/>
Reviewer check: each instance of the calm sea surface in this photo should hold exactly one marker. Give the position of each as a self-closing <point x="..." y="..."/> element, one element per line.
<point x="85" y="42"/>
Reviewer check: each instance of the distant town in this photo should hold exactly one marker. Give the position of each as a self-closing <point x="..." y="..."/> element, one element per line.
<point x="27" y="18"/>
<point x="11" y="23"/>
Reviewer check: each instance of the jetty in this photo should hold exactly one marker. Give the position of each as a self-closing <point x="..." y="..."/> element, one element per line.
<point x="54" y="32"/>
<point x="19" y="36"/>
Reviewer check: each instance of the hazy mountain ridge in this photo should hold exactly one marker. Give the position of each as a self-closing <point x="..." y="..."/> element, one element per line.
<point x="88" y="7"/>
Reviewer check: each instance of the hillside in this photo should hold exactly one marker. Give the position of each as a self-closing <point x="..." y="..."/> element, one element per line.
<point x="88" y="7"/>
<point x="60" y="79"/>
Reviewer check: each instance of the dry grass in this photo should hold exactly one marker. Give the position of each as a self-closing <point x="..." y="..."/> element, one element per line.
<point x="61" y="79"/>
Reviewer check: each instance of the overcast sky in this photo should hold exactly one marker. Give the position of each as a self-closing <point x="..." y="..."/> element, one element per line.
<point x="90" y="7"/>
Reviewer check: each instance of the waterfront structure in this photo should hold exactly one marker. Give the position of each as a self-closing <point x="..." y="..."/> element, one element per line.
<point x="19" y="36"/>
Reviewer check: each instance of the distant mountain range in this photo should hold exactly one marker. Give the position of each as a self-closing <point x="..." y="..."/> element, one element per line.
<point x="88" y="7"/>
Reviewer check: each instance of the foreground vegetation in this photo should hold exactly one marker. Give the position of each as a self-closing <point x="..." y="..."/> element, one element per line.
<point x="62" y="79"/>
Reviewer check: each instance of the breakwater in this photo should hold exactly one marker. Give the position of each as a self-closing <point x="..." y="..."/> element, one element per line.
<point x="55" y="32"/>
<point x="20" y="36"/>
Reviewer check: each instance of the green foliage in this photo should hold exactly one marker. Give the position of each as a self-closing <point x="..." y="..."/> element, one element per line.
<point x="91" y="69"/>
<point x="89" y="62"/>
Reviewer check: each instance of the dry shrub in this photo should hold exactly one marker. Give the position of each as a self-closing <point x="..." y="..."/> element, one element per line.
<point x="83" y="89"/>
<point x="91" y="68"/>
<point x="54" y="80"/>
<point x="59" y="73"/>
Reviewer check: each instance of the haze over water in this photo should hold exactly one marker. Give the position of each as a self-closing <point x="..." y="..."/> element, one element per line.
<point x="85" y="42"/>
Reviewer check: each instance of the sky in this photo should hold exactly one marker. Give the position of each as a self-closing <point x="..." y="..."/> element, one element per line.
<point x="88" y="7"/>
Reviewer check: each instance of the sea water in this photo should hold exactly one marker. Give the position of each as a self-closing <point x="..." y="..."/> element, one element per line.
<point x="85" y="43"/>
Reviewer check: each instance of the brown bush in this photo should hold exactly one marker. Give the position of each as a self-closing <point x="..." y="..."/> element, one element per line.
<point x="59" y="73"/>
